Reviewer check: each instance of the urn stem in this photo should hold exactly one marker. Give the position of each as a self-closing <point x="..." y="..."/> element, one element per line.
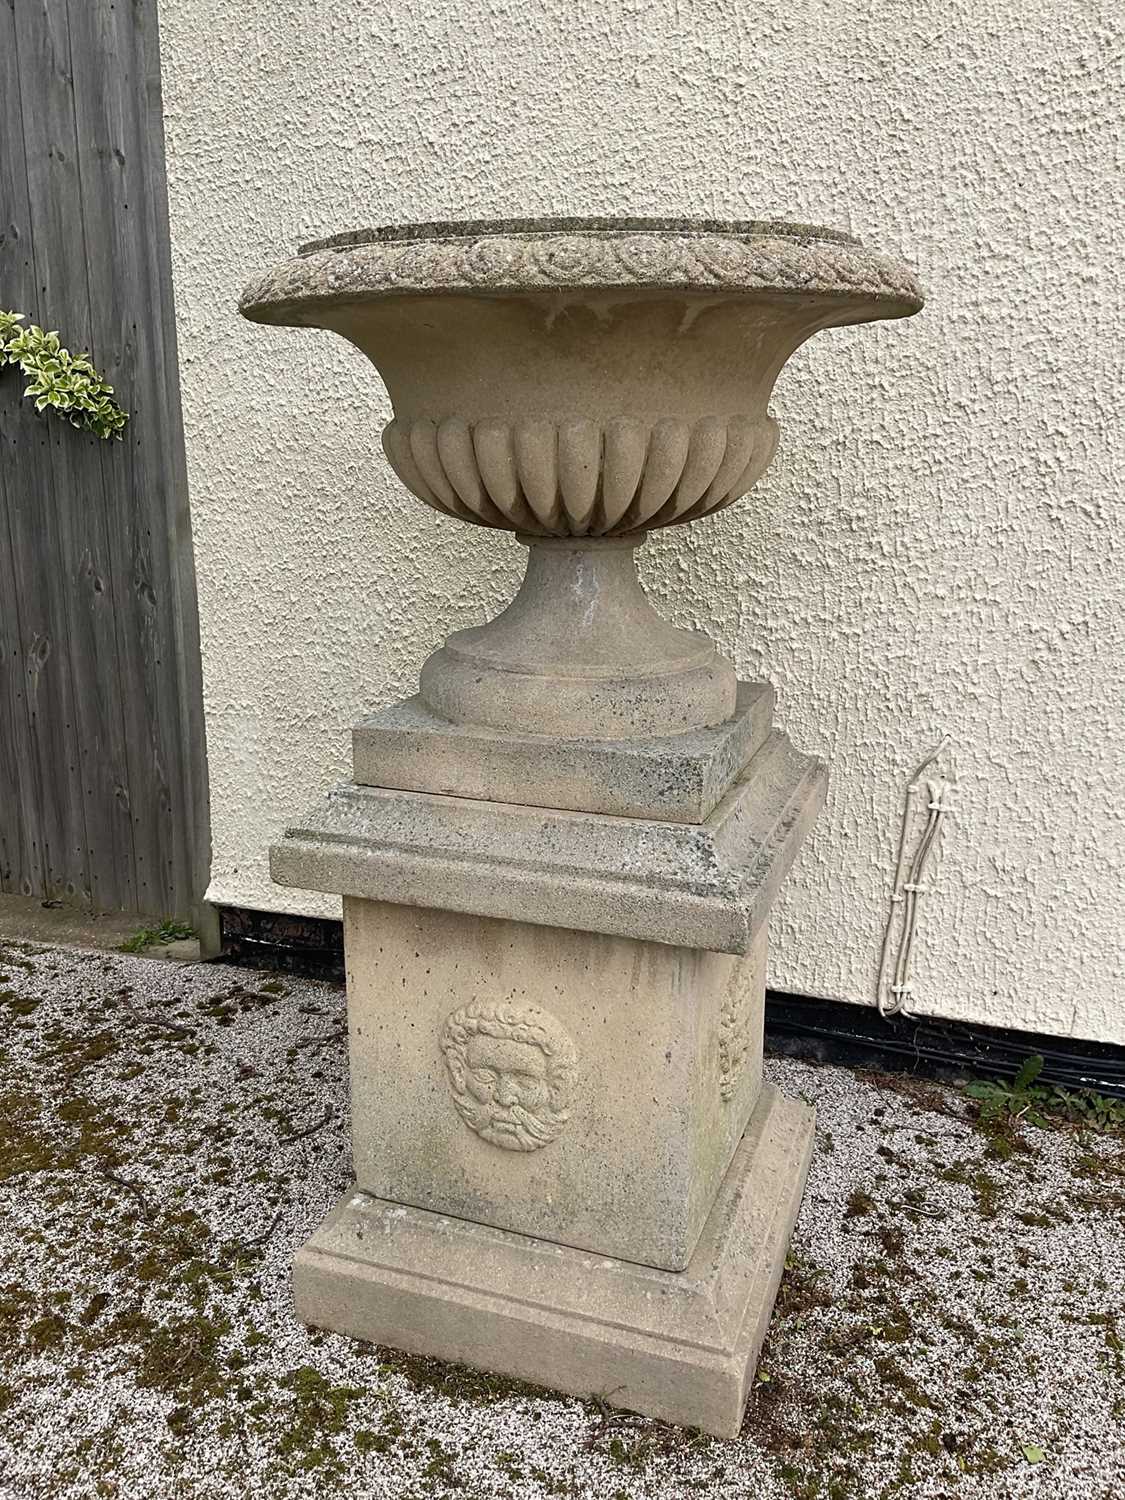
<point x="581" y="652"/>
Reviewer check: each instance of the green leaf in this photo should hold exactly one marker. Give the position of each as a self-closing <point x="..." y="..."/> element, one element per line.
<point x="1027" y="1074"/>
<point x="58" y="380"/>
<point x="982" y="1089"/>
<point x="1030" y="1451"/>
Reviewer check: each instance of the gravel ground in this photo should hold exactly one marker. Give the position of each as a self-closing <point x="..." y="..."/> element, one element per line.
<point x="950" y="1322"/>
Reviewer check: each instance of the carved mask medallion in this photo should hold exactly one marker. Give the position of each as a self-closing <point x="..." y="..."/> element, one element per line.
<point x="511" y="1071"/>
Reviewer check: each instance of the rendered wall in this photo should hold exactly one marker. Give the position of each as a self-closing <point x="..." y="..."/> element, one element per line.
<point x="937" y="548"/>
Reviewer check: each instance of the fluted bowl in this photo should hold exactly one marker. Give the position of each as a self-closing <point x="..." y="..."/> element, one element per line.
<point x="581" y="378"/>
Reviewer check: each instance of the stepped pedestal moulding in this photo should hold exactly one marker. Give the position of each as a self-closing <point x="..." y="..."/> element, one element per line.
<point x="558" y="858"/>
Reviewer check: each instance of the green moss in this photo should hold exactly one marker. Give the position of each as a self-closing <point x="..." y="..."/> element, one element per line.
<point x="32" y="1140"/>
<point x="895" y="1378"/>
<point x="803" y="1287"/>
<point x="22" y="1147"/>
<point x="14" y="955"/>
<point x="185" y="1300"/>
<point x="439" y="1465"/>
<point x="45" y="1335"/>
<point x="457" y="1383"/>
<point x="181" y="1358"/>
<point x="1114" y="1342"/>
<point x="893" y="1241"/>
<point x="315" y="1414"/>
<point x="75" y="1053"/>
<point x="860" y="1204"/>
<point x="367" y="1441"/>
<point x="986" y="1189"/>
<point x="95" y="1307"/>
<point x="19" y="1005"/>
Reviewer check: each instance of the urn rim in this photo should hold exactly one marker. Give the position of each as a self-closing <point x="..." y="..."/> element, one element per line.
<point x="585" y="257"/>
<point x="551" y="224"/>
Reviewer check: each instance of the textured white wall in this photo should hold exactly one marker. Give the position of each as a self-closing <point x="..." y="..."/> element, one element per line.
<point x="936" y="548"/>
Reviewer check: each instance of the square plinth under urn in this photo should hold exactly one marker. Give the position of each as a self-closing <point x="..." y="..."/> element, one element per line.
<point x="674" y="778"/>
<point x="582" y="1088"/>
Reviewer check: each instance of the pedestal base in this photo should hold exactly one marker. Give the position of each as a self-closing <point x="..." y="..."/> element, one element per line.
<point x="681" y="1346"/>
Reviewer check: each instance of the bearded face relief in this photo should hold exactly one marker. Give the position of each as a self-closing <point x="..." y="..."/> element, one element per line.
<point x="511" y="1069"/>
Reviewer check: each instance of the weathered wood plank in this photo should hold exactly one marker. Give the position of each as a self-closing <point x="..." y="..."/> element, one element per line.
<point x="40" y="52"/>
<point x="80" y="486"/>
<point x="113" y="132"/>
<point x="102" y="777"/>
<point x="20" y="835"/>
<point x="195" y="845"/>
<point x="78" y="541"/>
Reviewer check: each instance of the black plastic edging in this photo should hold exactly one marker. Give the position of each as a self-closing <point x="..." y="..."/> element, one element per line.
<point x="828" y="1031"/>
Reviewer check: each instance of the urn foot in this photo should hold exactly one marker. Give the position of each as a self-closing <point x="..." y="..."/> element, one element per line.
<point x="580" y="652"/>
<point x="676" y="778"/>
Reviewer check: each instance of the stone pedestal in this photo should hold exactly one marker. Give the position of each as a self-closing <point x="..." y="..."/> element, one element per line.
<point x="533" y="1025"/>
<point x="558" y="858"/>
<point x="568" y="1168"/>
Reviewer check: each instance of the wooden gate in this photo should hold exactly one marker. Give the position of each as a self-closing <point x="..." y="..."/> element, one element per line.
<point x="103" y="795"/>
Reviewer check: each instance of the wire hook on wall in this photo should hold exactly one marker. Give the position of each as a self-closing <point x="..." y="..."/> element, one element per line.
<point x="893" y="986"/>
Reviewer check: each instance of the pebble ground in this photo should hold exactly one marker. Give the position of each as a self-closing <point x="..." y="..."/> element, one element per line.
<point x="951" y="1321"/>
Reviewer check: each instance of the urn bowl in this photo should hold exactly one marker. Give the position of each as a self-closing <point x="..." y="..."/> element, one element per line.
<point x="582" y="378"/>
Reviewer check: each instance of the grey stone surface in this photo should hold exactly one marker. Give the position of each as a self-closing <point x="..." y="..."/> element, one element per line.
<point x="781" y="258"/>
<point x="182" y="951"/>
<point x="580" y="651"/>
<point x="563" y="224"/>
<point x="581" y="384"/>
<point x="556" y="1012"/>
<point x="673" y="778"/>
<point x="581" y="1088"/>
<point x="594" y="412"/>
<point x="549" y="468"/>
<point x="679" y="1346"/>
<point x="708" y="885"/>
<point x="27" y="918"/>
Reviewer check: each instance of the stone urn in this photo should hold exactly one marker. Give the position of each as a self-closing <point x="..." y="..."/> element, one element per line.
<point x="558" y="858"/>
